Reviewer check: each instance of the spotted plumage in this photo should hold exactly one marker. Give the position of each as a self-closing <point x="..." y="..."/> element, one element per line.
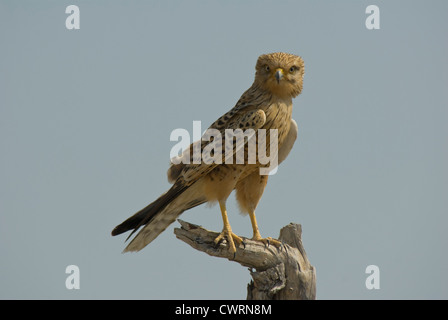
<point x="267" y="104"/>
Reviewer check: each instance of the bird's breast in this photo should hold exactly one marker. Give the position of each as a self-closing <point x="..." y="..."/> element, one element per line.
<point x="278" y="116"/>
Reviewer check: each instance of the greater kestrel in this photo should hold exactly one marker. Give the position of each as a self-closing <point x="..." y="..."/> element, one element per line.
<point x="267" y="104"/>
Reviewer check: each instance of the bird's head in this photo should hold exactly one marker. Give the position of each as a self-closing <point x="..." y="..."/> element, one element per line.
<point x="280" y="73"/>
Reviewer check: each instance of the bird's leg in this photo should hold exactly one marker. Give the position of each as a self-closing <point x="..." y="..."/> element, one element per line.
<point x="257" y="235"/>
<point x="227" y="231"/>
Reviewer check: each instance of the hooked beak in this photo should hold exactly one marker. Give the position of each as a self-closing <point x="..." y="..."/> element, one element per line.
<point x="278" y="74"/>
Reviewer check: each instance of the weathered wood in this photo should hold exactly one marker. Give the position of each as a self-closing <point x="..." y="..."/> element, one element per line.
<point x="283" y="273"/>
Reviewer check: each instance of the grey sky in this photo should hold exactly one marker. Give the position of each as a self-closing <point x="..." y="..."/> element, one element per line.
<point x="86" y="116"/>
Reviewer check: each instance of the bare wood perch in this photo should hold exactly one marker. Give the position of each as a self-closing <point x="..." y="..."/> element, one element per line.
<point x="280" y="273"/>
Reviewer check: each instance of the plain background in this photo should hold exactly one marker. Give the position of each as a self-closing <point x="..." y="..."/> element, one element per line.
<point x="86" y="116"/>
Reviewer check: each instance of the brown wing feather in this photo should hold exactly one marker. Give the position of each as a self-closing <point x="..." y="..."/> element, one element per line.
<point x="246" y="114"/>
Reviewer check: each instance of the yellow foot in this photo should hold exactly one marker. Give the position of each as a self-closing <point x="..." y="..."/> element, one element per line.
<point x="268" y="241"/>
<point x="231" y="239"/>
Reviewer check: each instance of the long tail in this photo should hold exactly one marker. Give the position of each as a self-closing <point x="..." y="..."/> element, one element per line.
<point x="158" y="215"/>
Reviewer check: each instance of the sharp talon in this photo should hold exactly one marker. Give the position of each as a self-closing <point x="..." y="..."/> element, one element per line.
<point x="232" y="240"/>
<point x="268" y="241"/>
<point x="244" y="243"/>
<point x="234" y="255"/>
<point x="218" y="242"/>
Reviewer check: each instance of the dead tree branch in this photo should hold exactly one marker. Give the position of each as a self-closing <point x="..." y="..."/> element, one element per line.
<point x="278" y="273"/>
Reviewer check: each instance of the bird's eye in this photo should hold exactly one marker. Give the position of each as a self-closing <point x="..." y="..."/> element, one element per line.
<point x="267" y="68"/>
<point x="292" y="69"/>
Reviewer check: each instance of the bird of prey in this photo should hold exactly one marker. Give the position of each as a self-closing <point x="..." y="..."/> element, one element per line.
<point x="267" y="104"/>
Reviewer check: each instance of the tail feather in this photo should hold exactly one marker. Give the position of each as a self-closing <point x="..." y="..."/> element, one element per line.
<point x="158" y="215"/>
<point x="134" y="221"/>
<point x="147" y="213"/>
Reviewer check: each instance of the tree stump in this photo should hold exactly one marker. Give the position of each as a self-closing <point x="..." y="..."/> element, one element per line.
<point x="283" y="273"/>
